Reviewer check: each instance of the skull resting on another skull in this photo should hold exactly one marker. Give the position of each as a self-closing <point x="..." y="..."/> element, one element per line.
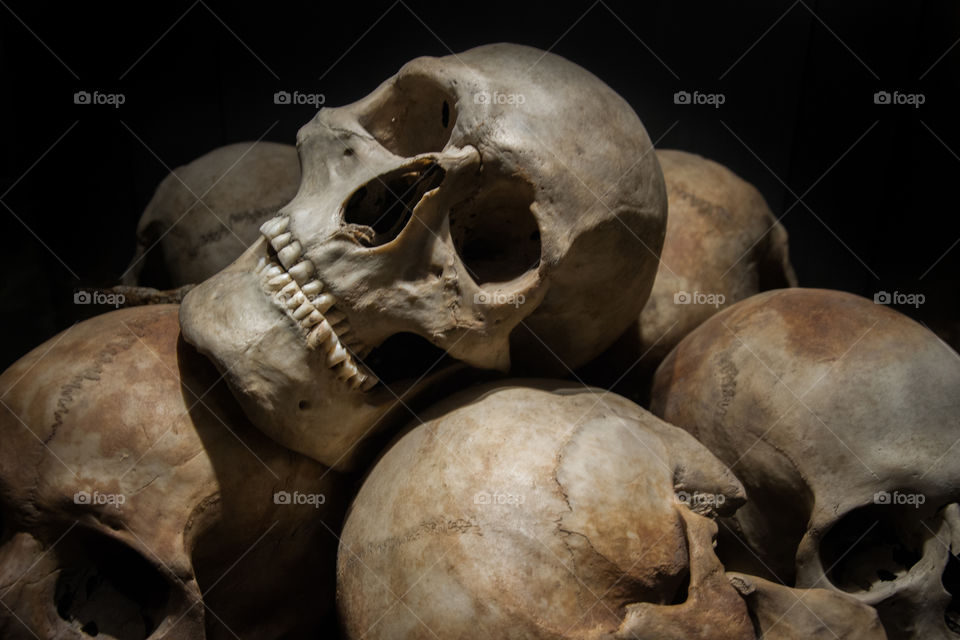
<point x="501" y="207"/>
<point x="550" y="511"/>
<point x="841" y="418"/>
<point x="136" y="500"/>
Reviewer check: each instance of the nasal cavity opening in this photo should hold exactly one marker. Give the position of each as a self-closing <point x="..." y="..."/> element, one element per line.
<point x="378" y="211"/>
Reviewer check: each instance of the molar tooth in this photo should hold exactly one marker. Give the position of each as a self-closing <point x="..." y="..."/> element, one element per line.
<point x="347" y="371"/>
<point x="261" y="263"/>
<point x="303" y="311"/>
<point x="312" y="288"/>
<point x="323" y="302"/>
<point x="301" y="271"/>
<point x="274" y="227"/>
<point x="320" y="334"/>
<point x="313" y="318"/>
<point x="369" y="382"/>
<point x="290" y="254"/>
<point x="355" y="381"/>
<point x="291" y="289"/>
<point x="281" y="240"/>
<point x="294" y="301"/>
<point x="280" y="280"/>
<point x="272" y="270"/>
<point x="337" y="355"/>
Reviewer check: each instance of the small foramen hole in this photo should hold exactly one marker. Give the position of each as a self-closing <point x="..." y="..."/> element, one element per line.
<point x="348" y="152"/>
<point x="303" y="405"/>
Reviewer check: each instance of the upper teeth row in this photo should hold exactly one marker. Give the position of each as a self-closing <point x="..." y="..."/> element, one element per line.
<point x="296" y="289"/>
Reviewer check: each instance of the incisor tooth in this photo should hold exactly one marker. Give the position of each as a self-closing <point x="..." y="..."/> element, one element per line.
<point x="312" y="288"/>
<point x="281" y="240"/>
<point x="323" y="302"/>
<point x="303" y="311"/>
<point x="337" y="354"/>
<point x="274" y="227"/>
<point x="289" y="255"/>
<point x="301" y="271"/>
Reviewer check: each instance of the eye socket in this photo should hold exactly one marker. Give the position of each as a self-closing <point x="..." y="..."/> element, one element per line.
<point x="868" y="546"/>
<point x="415" y="116"/>
<point x="495" y="233"/>
<point x="378" y="211"/>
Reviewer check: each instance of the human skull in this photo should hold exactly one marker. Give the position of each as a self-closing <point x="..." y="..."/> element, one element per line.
<point x="839" y="416"/>
<point x="723" y="244"/>
<point x="501" y="204"/>
<point x="137" y="501"/>
<point x="539" y="511"/>
<point x="207" y="212"/>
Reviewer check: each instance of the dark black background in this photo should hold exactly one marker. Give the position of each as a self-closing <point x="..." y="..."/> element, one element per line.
<point x="798" y="78"/>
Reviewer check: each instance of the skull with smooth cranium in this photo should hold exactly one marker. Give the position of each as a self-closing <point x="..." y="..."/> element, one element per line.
<point x="503" y="205"/>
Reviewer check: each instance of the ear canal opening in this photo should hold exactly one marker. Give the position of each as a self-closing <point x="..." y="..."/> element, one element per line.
<point x="416" y="116"/>
<point x="495" y="233"/>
